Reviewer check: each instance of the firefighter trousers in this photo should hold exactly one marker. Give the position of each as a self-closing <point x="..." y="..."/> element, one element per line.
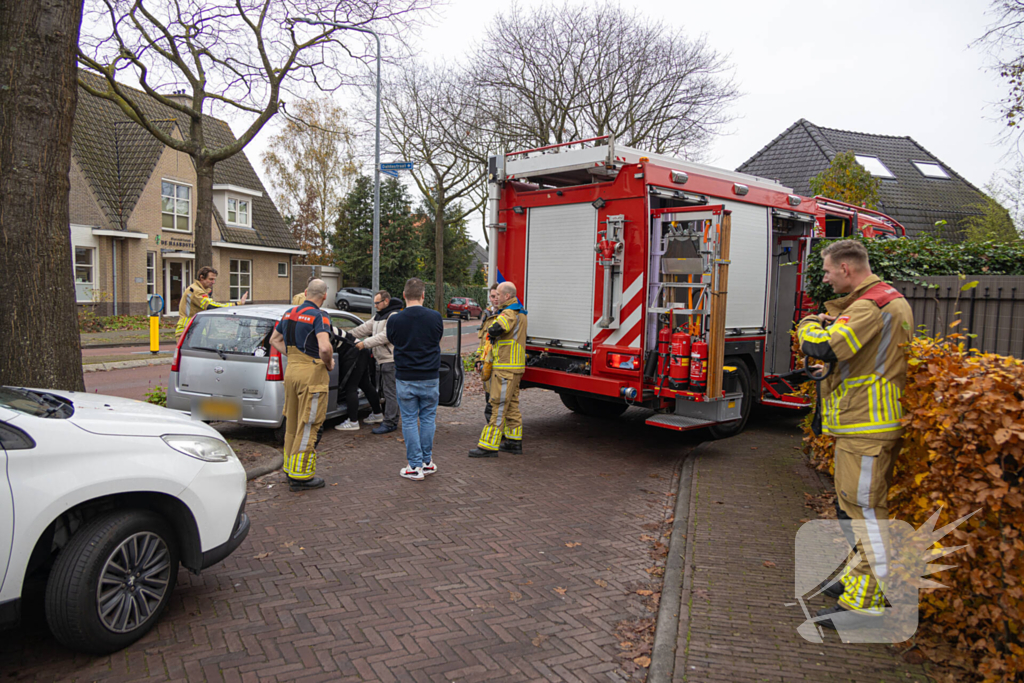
<point x="864" y="469"/>
<point x="306" y="386"/>
<point x="503" y="392"/>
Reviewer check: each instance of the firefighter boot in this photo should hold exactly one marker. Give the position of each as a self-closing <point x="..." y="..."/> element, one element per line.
<point x="513" y="446"/>
<point x="483" y="453"/>
<point x="848" y="618"/>
<point x="297" y="485"/>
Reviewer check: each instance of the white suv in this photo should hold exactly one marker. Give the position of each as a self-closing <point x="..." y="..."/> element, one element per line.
<point x="103" y="497"/>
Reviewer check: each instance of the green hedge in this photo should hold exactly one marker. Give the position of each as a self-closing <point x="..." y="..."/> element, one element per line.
<point x="910" y="260"/>
<point x="396" y="285"/>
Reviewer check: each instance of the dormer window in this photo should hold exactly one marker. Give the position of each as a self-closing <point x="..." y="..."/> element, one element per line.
<point x="874" y="166"/>
<point x="930" y="169"/>
<point x="238" y="211"/>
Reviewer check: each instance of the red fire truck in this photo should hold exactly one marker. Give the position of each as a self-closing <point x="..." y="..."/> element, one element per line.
<point x="658" y="282"/>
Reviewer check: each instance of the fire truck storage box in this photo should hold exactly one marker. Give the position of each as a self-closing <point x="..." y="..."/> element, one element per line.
<point x="729" y="407"/>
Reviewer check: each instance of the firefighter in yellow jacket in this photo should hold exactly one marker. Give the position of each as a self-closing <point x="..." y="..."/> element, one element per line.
<point x="303" y="335"/>
<point x="861" y="338"/>
<point x="507" y="336"/>
<point x="198" y="296"/>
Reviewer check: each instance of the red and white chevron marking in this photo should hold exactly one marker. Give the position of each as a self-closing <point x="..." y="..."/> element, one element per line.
<point x="630" y="319"/>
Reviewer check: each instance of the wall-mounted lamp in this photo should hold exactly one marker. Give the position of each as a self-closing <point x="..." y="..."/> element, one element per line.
<point x="793" y="200"/>
<point x="679" y="177"/>
<point x="519" y="210"/>
<point x="598" y="203"/>
<point x="740" y="189"/>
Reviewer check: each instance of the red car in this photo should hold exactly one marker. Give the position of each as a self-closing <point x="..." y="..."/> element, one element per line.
<point x="464" y="308"/>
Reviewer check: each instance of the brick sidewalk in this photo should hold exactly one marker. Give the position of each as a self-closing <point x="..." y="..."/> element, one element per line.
<point x="747" y="505"/>
<point x="473" y="574"/>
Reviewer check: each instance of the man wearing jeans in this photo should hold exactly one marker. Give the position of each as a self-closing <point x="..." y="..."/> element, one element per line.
<point x="416" y="335"/>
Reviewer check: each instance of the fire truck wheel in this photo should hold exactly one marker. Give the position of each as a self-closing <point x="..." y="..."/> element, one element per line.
<point x="598" y="408"/>
<point x="571" y="402"/>
<point x="727" y="429"/>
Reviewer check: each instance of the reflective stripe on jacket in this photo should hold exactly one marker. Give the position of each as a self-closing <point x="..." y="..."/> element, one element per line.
<point x="510" y="347"/>
<point x="862" y="395"/>
<point x="195" y="298"/>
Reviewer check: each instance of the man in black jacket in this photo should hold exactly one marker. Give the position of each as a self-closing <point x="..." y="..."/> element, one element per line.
<point x="416" y="334"/>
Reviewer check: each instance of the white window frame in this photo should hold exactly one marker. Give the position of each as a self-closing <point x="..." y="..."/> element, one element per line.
<point x="921" y="167"/>
<point x="238" y="202"/>
<point x="91" y="267"/>
<point x="150" y="273"/>
<point x="285" y="273"/>
<point x="867" y="161"/>
<point x="234" y="268"/>
<point x="188" y="216"/>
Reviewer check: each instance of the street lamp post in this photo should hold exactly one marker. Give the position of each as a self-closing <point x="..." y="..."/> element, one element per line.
<point x="376" y="151"/>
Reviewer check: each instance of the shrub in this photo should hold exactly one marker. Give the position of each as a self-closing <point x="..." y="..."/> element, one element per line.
<point x="912" y="259"/>
<point x="963" y="450"/>
<point x="157" y="396"/>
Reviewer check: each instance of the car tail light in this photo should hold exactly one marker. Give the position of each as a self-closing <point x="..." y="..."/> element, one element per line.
<point x="176" y="361"/>
<point x="274" y="373"/>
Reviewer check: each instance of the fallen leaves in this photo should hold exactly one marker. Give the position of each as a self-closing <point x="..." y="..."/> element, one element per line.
<point x="260" y="556"/>
<point x="768" y="563"/>
<point x="647" y="538"/>
<point x="514" y="596"/>
<point x="655" y="571"/>
<point x="643" y="661"/>
<point x="538" y="640"/>
<point x="601" y="582"/>
<point x="644" y="592"/>
<point x="560" y="590"/>
<point x="573" y="545"/>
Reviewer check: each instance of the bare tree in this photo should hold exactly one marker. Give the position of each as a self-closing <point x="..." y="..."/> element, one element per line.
<point x="312" y="166"/>
<point x="237" y="56"/>
<point x="40" y="346"/>
<point x="418" y="120"/>
<point x="574" y="71"/>
<point x="1004" y="40"/>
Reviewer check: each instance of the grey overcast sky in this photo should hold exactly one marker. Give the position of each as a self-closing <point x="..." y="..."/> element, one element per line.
<point x="890" y="67"/>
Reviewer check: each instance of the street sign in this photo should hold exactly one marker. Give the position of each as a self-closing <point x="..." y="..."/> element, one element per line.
<point x="392" y="174"/>
<point x="397" y="166"/>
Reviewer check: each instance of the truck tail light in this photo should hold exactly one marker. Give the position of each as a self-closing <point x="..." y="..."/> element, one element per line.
<point x="274" y="373"/>
<point x="623" y="361"/>
<point x="176" y="361"/>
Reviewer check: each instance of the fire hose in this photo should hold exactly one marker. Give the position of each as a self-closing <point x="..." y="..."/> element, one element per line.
<point x="818" y="373"/>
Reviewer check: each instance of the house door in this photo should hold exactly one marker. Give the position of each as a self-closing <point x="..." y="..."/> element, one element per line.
<point x="177" y="276"/>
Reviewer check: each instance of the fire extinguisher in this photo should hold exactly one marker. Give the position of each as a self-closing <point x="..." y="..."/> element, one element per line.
<point x="664" y="344"/>
<point x="699" y="366"/>
<point x="679" y="371"/>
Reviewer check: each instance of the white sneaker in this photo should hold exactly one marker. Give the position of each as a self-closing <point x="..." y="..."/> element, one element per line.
<point x="375" y="418"/>
<point x="415" y="473"/>
<point x="429" y="468"/>
<point x="347" y="426"/>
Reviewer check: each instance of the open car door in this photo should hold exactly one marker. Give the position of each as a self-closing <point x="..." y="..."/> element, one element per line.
<point x="452" y="376"/>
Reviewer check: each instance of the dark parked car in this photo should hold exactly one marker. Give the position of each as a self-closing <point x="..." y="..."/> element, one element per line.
<point x="462" y="307"/>
<point x="354" y="299"/>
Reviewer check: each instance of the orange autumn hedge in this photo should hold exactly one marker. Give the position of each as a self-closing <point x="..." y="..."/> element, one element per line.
<point x="964" y="450"/>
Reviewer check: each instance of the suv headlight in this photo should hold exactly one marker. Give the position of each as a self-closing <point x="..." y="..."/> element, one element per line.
<point x="200" y="447"/>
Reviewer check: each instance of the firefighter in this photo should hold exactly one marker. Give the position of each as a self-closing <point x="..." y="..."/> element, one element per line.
<point x="860" y="337"/>
<point x="198" y="297"/>
<point x="490" y="313"/>
<point x="303" y="335"/>
<point x="507" y="335"/>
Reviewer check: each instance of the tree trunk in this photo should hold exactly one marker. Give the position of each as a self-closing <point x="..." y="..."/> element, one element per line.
<point x="203" y="234"/>
<point x="439" y="252"/>
<point x="40" y="345"/>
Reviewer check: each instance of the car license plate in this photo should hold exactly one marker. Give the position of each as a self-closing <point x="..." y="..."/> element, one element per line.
<point x="218" y="409"/>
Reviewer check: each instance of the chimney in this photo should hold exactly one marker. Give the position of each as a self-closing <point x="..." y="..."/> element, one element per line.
<point x="180" y="97"/>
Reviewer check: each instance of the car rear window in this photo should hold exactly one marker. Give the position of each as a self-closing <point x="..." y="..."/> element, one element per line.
<point x="456" y="301"/>
<point x="235" y="334"/>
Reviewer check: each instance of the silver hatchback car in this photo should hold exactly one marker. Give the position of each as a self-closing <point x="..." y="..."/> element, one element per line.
<point x="225" y="368"/>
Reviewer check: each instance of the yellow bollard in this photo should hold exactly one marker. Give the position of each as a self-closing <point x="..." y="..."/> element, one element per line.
<point x="156" y="305"/>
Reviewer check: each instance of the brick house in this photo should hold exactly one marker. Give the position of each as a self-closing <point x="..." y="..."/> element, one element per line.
<point x="133" y="210"/>
<point x="915" y="187"/>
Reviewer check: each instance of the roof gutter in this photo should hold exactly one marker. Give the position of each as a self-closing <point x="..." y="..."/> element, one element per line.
<point x="253" y="247"/>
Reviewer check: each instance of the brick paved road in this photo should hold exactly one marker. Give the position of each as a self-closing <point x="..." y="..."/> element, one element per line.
<point x="459" y="577"/>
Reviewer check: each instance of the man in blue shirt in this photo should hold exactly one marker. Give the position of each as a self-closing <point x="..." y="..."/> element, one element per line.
<point x="303" y="335"/>
<point x="416" y="334"/>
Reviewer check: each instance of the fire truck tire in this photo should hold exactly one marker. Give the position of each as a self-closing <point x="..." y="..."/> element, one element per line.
<point x="598" y="408"/>
<point x="727" y="429"/>
<point x="571" y="402"/>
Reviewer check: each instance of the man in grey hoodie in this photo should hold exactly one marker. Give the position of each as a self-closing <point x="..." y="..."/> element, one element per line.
<point x="374" y="334"/>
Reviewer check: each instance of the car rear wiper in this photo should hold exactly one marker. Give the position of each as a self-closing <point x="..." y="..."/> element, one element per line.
<point x="217" y="351"/>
